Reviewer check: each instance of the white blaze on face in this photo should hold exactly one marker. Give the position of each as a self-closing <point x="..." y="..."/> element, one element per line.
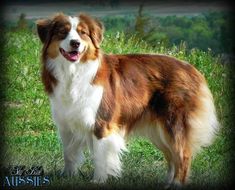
<point x="73" y="35"/>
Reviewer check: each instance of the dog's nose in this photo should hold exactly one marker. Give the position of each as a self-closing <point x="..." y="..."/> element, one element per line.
<point x="74" y="43"/>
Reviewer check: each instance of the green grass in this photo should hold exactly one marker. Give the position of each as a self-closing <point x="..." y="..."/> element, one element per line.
<point x="31" y="137"/>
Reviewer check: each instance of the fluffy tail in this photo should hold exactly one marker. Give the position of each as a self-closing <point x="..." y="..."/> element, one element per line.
<point x="203" y="121"/>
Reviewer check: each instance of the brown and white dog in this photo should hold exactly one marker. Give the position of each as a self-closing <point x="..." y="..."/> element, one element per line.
<point x="98" y="99"/>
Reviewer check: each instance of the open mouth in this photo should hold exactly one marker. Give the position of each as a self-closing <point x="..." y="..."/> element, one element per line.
<point x="70" y="56"/>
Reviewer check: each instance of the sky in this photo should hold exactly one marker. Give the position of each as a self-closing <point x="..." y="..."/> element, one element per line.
<point x="35" y="9"/>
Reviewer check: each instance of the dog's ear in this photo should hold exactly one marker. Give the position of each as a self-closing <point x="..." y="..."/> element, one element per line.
<point x="43" y="28"/>
<point x="96" y="29"/>
<point x="97" y="33"/>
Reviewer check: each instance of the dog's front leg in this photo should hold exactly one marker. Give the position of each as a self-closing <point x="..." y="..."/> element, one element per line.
<point x="106" y="153"/>
<point x="100" y="160"/>
<point x="73" y="146"/>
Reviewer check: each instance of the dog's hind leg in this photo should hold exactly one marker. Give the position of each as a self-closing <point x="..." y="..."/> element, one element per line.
<point x="178" y="157"/>
<point x="172" y="141"/>
<point x="182" y="162"/>
<point x="161" y="139"/>
<point x="180" y="151"/>
<point x="198" y="129"/>
<point x="171" y="167"/>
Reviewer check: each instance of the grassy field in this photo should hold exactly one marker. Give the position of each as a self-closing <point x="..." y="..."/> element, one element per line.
<point x="31" y="136"/>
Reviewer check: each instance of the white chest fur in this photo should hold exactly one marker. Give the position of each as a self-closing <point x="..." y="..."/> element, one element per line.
<point x="75" y="100"/>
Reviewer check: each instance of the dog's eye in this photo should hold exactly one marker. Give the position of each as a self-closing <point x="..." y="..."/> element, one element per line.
<point x="82" y="32"/>
<point x="63" y="32"/>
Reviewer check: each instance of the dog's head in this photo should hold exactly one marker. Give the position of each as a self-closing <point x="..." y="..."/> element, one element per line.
<point x="74" y="38"/>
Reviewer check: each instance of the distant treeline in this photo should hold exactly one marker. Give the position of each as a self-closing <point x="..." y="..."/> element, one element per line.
<point x="212" y="30"/>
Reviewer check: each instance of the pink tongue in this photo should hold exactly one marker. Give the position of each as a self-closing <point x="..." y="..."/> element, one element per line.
<point x="71" y="56"/>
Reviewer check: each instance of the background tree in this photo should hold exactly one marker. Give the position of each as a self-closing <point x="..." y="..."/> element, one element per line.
<point x="22" y="23"/>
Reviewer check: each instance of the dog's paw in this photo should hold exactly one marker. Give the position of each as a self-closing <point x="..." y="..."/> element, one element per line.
<point x="100" y="180"/>
<point x="68" y="172"/>
<point x="175" y="185"/>
<point x="94" y="181"/>
<point x="167" y="186"/>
